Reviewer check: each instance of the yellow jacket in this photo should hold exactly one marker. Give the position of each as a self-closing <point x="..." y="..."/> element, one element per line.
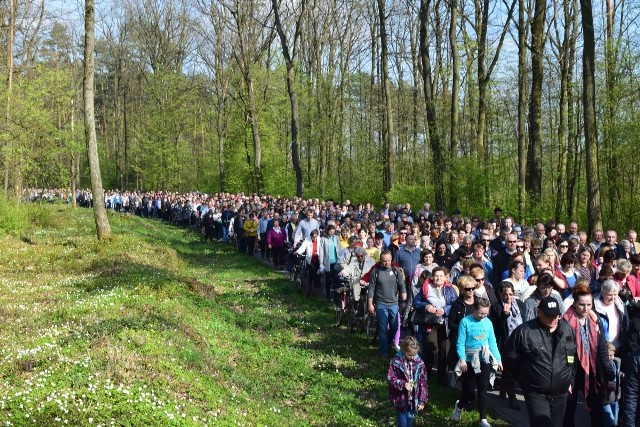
<point x="250" y="228"/>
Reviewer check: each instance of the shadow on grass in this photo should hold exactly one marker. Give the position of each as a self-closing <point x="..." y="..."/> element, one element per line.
<point x="267" y="304"/>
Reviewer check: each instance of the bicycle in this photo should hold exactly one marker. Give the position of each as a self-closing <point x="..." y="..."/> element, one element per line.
<point x="298" y="273"/>
<point x="342" y="299"/>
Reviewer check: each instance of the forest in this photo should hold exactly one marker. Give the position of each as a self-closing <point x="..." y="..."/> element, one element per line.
<point x="531" y="105"/>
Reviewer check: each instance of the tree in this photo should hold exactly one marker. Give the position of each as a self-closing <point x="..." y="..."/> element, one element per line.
<point x="594" y="207"/>
<point x="534" y="154"/>
<point x="434" y="134"/>
<point x="387" y="128"/>
<point x="484" y="72"/>
<point x="7" y="130"/>
<point x="522" y="106"/>
<point x="253" y="39"/>
<point x="103" y="228"/>
<point x="290" y="59"/>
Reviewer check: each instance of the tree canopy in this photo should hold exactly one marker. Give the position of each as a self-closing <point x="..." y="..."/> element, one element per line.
<point x="466" y="104"/>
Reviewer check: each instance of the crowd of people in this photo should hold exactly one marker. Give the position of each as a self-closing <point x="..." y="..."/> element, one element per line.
<point x="556" y="310"/>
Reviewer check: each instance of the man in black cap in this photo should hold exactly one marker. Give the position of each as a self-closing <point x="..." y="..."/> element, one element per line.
<point x="542" y="354"/>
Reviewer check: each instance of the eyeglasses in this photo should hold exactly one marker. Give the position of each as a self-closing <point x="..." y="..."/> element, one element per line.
<point x="563" y="246"/>
<point x="403" y="232"/>
<point x="512" y="241"/>
<point x="536" y="248"/>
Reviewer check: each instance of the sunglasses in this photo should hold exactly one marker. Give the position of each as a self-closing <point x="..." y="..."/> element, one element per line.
<point x="469" y="289"/>
<point x="520" y="246"/>
<point x="480" y="280"/>
<point x="563" y="246"/>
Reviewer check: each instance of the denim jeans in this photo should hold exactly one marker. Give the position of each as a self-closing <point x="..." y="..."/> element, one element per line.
<point x="405" y="419"/>
<point x="610" y="414"/>
<point x="387" y="316"/>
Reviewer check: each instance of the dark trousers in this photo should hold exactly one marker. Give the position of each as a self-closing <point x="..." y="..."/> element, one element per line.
<point x="435" y="345"/>
<point x="593" y="400"/>
<point x="251" y="244"/>
<point x="544" y="410"/>
<point x="278" y="255"/>
<point x="264" y="250"/>
<point x="471" y="381"/>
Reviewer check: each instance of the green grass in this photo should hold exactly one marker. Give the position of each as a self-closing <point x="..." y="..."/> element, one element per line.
<point x="158" y="328"/>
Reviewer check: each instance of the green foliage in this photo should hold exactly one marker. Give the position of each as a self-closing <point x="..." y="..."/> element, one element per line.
<point x="12" y="218"/>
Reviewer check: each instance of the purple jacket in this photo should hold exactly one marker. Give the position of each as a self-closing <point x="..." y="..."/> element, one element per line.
<point x="397" y="377"/>
<point x="276" y="240"/>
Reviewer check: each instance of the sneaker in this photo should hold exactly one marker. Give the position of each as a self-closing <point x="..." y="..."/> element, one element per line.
<point x="457" y="412"/>
<point x="484" y="423"/>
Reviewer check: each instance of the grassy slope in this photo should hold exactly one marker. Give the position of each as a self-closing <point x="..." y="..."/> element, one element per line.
<point x="158" y="328"/>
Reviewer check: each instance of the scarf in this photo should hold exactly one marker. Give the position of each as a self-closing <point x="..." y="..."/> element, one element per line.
<point x="515" y="319"/>
<point x="586" y="350"/>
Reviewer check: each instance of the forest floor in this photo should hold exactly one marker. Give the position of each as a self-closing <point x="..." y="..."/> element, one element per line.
<point x="159" y="328"/>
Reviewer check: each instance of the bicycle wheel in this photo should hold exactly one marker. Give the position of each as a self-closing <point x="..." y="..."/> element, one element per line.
<point x="371" y="327"/>
<point x="339" y="309"/>
<point x="352" y="319"/>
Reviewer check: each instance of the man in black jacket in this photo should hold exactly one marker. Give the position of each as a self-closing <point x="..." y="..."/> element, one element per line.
<point x="629" y="414"/>
<point x="541" y="354"/>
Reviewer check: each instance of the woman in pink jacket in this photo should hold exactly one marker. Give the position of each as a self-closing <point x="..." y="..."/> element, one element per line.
<point x="276" y="239"/>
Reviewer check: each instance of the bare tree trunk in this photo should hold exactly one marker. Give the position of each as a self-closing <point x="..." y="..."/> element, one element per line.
<point x="594" y="207"/>
<point x="455" y="79"/>
<point x="255" y="132"/>
<point x="522" y="100"/>
<point x="611" y="58"/>
<point x="565" y="83"/>
<point x="289" y="57"/>
<point x="434" y="134"/>
<point x="103" y="228"/>
<point x="10" y="42"/>
<point x="386" y="94"/>
<point x="572" y="152"/>
<point x="534" y="158"/>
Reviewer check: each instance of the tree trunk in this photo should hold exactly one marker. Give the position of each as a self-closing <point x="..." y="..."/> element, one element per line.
<point x="386" y="94"/>
<point x="103" y="229"/>
<point x="611" y="58"/>
<point x="10" y="41"/>
<point x="291" y="89"/>
<point x="522" y="100"/>
<point x="255" y="132"/>
<point x="534" y="157"/>
<point x="594" y="208"/>
<point x="563" y="136"/>
<point x="434" y="135"/>
<point x="455" y="79"/>
<point x="573" y="154"/>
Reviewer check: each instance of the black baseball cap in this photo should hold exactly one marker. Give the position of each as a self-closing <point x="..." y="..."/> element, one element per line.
<point x="550" y="307"/>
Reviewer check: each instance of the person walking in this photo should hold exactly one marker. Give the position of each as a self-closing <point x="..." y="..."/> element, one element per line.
<point x="387" y="289"/>
<point x="407" y="379"/>
<point x="593" y="370"/>
<point x="477" y="352"/>
<point x="506" y="316"/>
<point x="541" y="355"/>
